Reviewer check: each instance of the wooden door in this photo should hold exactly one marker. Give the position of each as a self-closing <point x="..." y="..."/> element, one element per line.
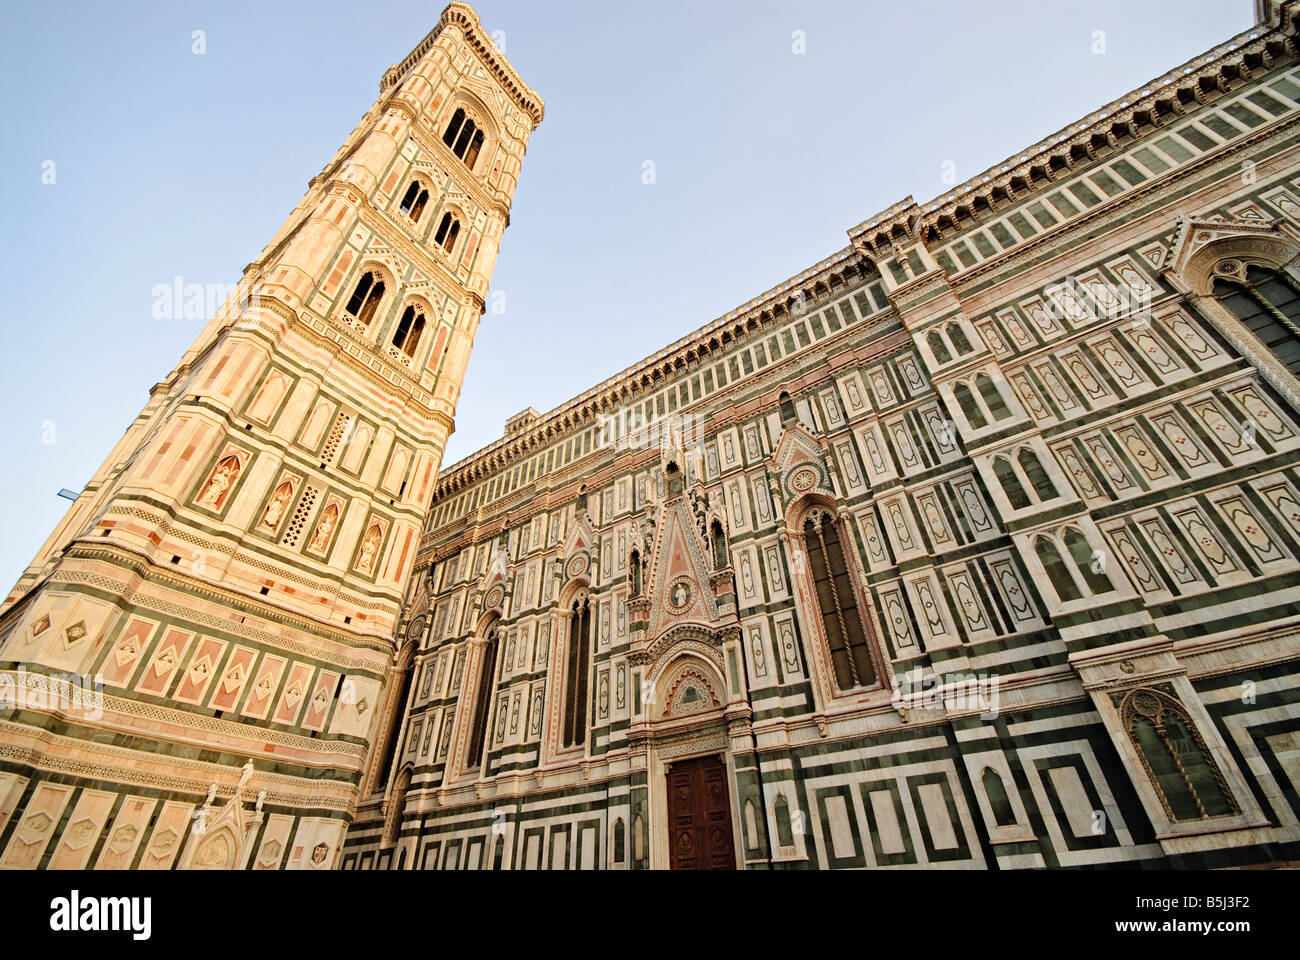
<point x="699" y="816"/>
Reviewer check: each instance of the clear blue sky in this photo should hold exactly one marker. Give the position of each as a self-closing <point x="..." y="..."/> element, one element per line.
<point x="169" y="163"/>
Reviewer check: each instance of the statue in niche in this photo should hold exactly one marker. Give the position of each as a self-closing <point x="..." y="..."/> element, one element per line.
<point x="218" y="485"/>
<point x="321" y="538"/>
<point x="369" y="547"/>
<point x="275" y="509"/>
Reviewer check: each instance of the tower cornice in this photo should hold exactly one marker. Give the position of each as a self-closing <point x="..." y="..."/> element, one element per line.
<point x="464" y="17"/>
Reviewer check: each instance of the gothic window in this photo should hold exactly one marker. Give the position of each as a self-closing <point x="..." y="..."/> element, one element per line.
<point x="719" y="539"/>
<point x="992" y="397"/>
<point x="958" y="337"/>
<point x="1042" y="483"/>
<point x="1082" y="555"/>
<point x="365" y="298"/>
<point x="836" y="603"/>
<point x="406" y="672"/>
<point x="575" y="690"/>
<point x="464" y="137"/>
<point x="413" y="202"/>
<point x="787" y="408"/>
<point x="409" y="329"/>
<point x="620" y="842"/>
<point x="1057" y="572"/>
<point x="1011" y="484"/>
<point x="999" y="802"/>
<point x="1180" y="767"/>
<point x="969" y="408"/>
<point x="938" y="347"/>
<point x="784" y="830"/>
<point x="483" y="701"/>
<point x="1267" y="302"/>
<point x="498" y="853"/>
<point x="447" y="231"/>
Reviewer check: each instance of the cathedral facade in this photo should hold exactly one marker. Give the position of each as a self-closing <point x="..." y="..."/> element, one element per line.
<point x="974" y="545"/>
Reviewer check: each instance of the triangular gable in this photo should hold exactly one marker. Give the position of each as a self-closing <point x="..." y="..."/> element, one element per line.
<point x="800" y="463"/>
<point x="680" y="573"/>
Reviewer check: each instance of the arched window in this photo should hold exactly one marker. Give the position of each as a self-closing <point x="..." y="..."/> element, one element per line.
<point x="720" y="552"/>
<point x="445" y="236"/>
<point x="999" y="802"/>
<point x="837" y="603"/>
<point x="1011" y="484"/>
<point x="464" y="137"/>
<point x="1180" y="767"/>
<point x="1057" y="572"/>
<point x="1033" y="468"/>
<point x="992" y="397"/>
<point x="958" y="337"/>
<point x="966" y="400"/>
<point x="483" y="701"/>
<point x="405" y="673"/>
<point x="938" y="347"/>
<point x="1267" y="303"/>
<point x="1082" y="555"/>
<point x="409" y="328"/>
<point x="788" y="414"/>
<point x="634" y="570"/>
<point x="365" y="298"/>
<point x="784" y="830"/>
<point x="414" y="201"/>
<point x="575" y="691"/>
<point x="620" y="841"/>
<point x="498" y="853"/>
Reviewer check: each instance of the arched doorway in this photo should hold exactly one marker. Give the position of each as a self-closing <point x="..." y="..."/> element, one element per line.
<point x="694" y="822"/>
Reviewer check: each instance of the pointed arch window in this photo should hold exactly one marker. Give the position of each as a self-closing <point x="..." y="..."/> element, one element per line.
<point x="788" y="414"/>
<point x="1044" y="489"/>
<point x="464" y="137"/>
<point x="999" y="802"/>
<point x="959" y="340"/>
<point x="784" y="828"/>
<point x="992" y="397"/>
<point x="969" y="408"/>
<point x="938" y="347"/>
<point x="406" y="673"/>
<point x="409" y="329"/>
<point x="366" y="297"/>
<point x="1180" y="767"/>
<point x="483" y="701"/>
<point x="1267" y="302"/>
<point x="1011" y="485"/>
<point x="1086" y="561"/>
<point x="575" y="689"/>
<point x="719" y="539"/>
<point x="1057" y="572"/>
<point x="447" y="231"/>
<point x="413" y="202"/>
<point x="837" y="604"/>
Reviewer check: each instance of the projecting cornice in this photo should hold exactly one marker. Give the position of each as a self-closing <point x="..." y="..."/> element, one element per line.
<point x="776" y="305"/>
<point x="464" y="17"/>
<point x="1200" y="80"/>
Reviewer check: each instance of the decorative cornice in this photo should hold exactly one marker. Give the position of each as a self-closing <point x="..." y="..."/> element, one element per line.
<point x="775" y="305"/>
<point x="1201" y="80"/>
<point x="464" y="17"/>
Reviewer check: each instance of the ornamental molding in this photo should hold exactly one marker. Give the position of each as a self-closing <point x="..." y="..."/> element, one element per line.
<point x="462" y="15"/>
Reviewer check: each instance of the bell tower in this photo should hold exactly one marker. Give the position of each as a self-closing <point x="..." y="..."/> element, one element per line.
<point x="227" y="586"/>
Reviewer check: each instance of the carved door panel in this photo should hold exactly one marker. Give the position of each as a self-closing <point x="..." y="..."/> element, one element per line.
<point x="699" y="816"/>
